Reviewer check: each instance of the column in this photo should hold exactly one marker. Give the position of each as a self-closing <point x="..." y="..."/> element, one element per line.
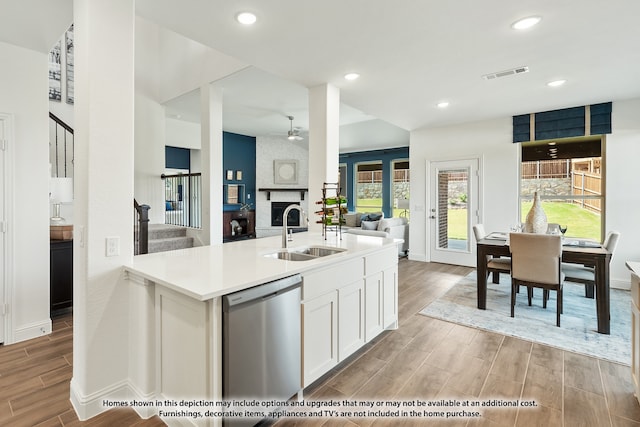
<point x="211" y="130"/>
<point x="324" y="142"/>
<point x="103" y="208"/>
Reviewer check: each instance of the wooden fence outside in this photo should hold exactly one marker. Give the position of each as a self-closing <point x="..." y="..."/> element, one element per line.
<point x="587" y="184"/>
<point x="375" y="177"/>
<point x="546" y="169"/>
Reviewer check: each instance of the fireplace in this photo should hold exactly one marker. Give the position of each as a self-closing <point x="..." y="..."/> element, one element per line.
<point x="278" y="208"/>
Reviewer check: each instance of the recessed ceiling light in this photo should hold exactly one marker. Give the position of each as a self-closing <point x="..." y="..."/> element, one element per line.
<point x="443" y="104"/>
<point x="524" y="23"/>
<point x="351" y="76"/>
<point x="246" y="18"/>
<point x="556" y="83"/>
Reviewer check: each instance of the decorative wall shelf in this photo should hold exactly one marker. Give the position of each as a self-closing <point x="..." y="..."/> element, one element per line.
<point x="270" y="190"/>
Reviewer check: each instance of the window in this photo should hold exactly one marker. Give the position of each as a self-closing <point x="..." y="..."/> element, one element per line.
<point x="342" y="179"/>
<point x="400" y="188"/>
<point x="369" y="187"/>
<point x="568" y="175"/>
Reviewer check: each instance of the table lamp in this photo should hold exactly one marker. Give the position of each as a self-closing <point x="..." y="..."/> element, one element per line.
<point x="60" y="191"/>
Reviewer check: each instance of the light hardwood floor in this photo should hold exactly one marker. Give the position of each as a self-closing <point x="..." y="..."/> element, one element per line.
<point x="424" y="359"/>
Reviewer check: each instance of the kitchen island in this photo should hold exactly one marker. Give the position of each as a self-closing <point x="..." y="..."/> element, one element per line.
<point x="348" y="298"/>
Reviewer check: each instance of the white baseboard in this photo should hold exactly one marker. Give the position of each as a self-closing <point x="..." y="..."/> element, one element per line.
<point x="88" y="406"/>
<point x="417" y="257"/>
<point x="33" y="330"/>
<point x="620" y="284"/>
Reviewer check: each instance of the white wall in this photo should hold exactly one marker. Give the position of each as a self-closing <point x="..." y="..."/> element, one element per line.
<point x="623" y="197"/>
<point x="491" y="142"/>
<point x="268" y="149"/>
<point x="180" y="133"/>
<point x="186" y="65"/>
<point x="24" y="87"/>
<point x="149" y="122"/>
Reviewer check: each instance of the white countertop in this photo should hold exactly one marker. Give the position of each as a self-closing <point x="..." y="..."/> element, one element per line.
<point x="207" y="272"/>
<point x="634" y="266"/>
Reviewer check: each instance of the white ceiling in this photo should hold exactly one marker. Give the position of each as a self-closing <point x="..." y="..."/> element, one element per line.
<point x="410" y="57"/>
<point x="415" y="53"/>
<point x="258" y="103"/>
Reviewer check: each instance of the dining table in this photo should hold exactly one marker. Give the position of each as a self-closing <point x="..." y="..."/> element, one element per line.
<point x="574" y="251"/>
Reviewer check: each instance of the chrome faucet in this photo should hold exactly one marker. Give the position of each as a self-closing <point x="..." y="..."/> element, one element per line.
<point x="284" y="222"/>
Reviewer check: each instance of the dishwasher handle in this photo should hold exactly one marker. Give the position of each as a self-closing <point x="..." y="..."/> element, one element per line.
<point x="260" y="292"/>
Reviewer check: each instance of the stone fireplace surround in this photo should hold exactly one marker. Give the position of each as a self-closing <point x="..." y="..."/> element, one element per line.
<point x="268" y="149"/>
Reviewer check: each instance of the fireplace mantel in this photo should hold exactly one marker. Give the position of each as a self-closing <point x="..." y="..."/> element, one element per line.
<point x="275" y="189"/>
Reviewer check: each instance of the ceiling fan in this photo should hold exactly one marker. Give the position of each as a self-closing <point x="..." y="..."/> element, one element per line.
<point x="294" y="133"/>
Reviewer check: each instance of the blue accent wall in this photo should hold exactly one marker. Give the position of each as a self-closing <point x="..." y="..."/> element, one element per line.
<point x="239" y="154"/>
<point x="387" y="157"/>
<point x="177" y="158"/>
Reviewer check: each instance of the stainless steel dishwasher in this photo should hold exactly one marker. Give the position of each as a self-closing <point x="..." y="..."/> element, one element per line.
<point x="261" y="344"/>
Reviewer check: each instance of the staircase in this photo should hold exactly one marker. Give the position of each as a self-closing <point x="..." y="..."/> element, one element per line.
<point x="164" y="237"/>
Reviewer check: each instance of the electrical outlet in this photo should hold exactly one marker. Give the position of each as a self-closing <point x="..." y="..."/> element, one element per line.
<point x="113" y="246"/>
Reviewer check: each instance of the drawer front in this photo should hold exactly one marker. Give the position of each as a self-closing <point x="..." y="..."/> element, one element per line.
<point x="320" y="282"/>
<point x="380" y="260"/>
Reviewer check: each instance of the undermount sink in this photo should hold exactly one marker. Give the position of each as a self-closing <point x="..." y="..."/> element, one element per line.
<point x="320" y="251"/>
<point x="291" y="256"/>
<point x="305" y="254"/>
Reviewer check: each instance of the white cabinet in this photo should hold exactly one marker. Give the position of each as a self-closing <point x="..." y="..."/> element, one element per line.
<point x="350" y="319"/>
<point x="390" y="297"/>
<point x="346" y="305"/>
<point x="320" y="328"/>
<point x="373" y="305"/>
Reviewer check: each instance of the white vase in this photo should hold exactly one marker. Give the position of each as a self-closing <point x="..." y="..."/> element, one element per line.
<point x="536" y="221"/>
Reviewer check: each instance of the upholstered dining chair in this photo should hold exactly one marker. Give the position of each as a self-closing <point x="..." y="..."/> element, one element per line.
<point x="535" y="263"/>
<point x="586" y="273"/>
<point x="495" y="266"/>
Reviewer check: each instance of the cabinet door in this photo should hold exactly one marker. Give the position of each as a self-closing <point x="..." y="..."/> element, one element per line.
<point x="320" y="320"/>
<point x="390" y="297"/>
<point x="226" y="225"/>
<point x="61" y="274"/>
<point x="350" y="319"/>
<point x="373" y="306"/>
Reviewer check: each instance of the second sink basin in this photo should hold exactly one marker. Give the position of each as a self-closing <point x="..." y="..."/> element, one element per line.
<point x="291" y="256"/>
<point x="319" y="251"/>
<point x="304" y="254"/>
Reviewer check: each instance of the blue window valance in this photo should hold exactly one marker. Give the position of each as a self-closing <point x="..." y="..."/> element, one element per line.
<point x="565" y="123"/>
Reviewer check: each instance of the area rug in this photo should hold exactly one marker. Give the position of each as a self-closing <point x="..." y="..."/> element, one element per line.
<point x="578" y="330"/>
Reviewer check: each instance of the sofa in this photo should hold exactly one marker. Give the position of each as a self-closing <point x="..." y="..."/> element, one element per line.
<point x="374" y="224"/>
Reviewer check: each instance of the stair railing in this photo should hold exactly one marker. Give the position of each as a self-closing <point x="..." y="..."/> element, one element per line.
<point x="183" y="199"/>
<point x="62" y="145"/>
<point x="141" y="228"/>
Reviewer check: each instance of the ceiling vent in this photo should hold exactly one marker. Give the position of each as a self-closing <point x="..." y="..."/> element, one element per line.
<point x="511" y="72"/>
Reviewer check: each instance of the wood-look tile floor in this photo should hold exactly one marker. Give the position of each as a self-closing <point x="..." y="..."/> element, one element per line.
<point x="424" y="359"/>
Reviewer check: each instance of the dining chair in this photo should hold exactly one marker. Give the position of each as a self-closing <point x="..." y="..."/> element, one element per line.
<point x="495" y="266"/>
<point x="535" y="263"/>
<point x="586" y="273"/>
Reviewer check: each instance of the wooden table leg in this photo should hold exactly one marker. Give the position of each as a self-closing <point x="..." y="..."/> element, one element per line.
<point x="481" y="269"/>
<point x="602" y="293"/>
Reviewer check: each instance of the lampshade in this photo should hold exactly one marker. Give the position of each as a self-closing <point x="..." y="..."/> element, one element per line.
<point x="403" y="203"/>
<point x="61" y="190"/>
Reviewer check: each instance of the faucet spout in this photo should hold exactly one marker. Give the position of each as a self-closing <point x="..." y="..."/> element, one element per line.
<point x="284" y="222"/>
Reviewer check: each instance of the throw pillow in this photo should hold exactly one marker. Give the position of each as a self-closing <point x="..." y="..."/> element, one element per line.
<point x="370" y="225"/>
